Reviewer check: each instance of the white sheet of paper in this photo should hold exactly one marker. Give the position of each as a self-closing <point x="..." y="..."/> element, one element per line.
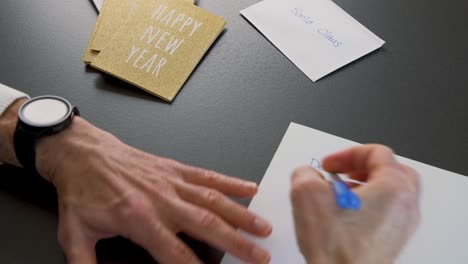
<point x="316" y="35"/>
<point x="441" y="237"/>
<point x="98" y="4"/>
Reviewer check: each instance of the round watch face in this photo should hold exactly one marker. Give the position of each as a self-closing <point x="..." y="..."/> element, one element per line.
<point x="45" y="111"/>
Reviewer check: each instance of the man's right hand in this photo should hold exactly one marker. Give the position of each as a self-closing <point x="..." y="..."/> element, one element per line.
<point x="375" y="234"/>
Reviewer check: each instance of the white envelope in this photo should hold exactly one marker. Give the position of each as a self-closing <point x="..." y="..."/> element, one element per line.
<point x="316" y="35"/>
<point x="98" y="4"/>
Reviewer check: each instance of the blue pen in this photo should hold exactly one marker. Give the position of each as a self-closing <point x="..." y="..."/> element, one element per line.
<point x="345" y="197"/>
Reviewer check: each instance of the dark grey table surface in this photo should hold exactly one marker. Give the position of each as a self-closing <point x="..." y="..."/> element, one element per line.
<point x="232" y="113"/>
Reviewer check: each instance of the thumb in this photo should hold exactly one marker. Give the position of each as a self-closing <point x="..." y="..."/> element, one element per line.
<point x="77" y="246"/>
<point x="80" y="254"/>
<point x="309" y="189"/>
<point x="313" y="205"/>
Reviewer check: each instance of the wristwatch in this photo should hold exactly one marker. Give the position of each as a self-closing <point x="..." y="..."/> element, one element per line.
<point x="40" y="117"/>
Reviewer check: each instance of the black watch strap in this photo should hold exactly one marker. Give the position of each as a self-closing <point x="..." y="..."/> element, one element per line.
<point x="25" y="146"/>
<point x="25" y="141"/>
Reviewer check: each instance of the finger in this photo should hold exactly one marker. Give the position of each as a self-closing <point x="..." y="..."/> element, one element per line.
<point x="308" y="189"/>
<point x="81" y="254"/>
<point x="395" y="180"/>
<point x="201" y="224"/>
<point x="360" y="176"/>
<point x="163" y="245"/>
<point x="227" y="185"/>
<point x="313" y="204"/>
<point x="413" y="177"/>
<point x="366" y="158"/>
<point x="78" y="248"/>
<point x="232" y="212"/>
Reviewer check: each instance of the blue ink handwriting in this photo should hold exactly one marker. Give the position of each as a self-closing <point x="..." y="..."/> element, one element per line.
<point x="298" y="12"/>
<point x="316" y="164"/>
<point x="328" y="35"/>
<point x="324" y="32"/>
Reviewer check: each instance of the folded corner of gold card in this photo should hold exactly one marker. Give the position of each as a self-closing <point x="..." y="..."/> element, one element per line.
<point x="89" y="56"/>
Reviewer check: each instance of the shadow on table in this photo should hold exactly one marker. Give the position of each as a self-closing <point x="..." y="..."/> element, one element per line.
<point x="122" y="251"/>
<point x="34" y="190"/>
<point x="28" y="188"/>
<point x="110" y="83"/>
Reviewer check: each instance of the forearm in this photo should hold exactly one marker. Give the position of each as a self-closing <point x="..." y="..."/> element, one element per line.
<point x="8" y="122"/>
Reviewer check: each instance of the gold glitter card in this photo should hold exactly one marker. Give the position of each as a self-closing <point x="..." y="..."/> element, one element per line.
<point x="114" y="14"/>
<point x="160" y="45"/>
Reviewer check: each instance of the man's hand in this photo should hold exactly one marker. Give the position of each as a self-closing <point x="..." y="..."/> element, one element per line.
<point x="107" y="188"/>
<point x="376" y="233"/>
